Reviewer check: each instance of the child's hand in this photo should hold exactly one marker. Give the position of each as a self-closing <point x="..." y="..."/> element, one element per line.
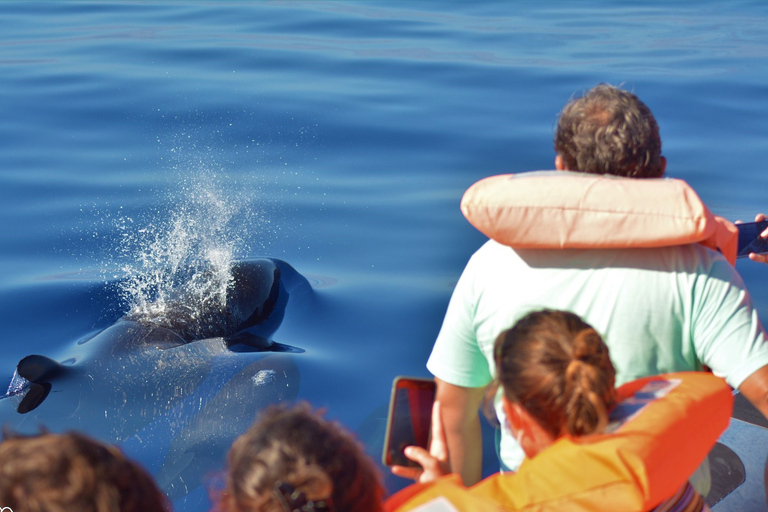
<point x="434" y="463"/>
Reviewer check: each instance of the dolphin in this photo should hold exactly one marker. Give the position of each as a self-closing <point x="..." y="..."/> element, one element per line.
<point x="171" y="394"/>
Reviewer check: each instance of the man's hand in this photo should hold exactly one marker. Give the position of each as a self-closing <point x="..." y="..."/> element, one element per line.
<point x="760" y="258"/>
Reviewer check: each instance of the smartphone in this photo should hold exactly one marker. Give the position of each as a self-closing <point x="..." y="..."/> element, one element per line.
<point x="409" y="422"/>
<point x="749" y="238"/>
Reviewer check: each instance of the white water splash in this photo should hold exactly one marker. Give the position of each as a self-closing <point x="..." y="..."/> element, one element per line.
<point x="17" y="385"/>
<point x="182" y="267"/>
<point x="17" y="390"/>
<point x="264" y="377"/>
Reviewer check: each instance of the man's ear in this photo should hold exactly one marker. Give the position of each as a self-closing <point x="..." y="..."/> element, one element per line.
<point x="559" y="164"/>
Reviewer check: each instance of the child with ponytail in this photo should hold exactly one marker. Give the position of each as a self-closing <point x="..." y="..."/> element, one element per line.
<point x="556" y="376"/>
<point x="558" y="384"/>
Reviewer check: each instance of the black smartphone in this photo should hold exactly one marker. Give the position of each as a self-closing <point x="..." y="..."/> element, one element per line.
<point x="409" y="422"/>
<point x="749" y="238"/>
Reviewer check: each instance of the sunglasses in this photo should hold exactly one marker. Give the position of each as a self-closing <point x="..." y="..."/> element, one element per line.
<point x="295" y="501"/>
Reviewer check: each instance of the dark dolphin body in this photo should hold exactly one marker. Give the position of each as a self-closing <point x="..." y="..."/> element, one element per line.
<point x="172" y="402"/>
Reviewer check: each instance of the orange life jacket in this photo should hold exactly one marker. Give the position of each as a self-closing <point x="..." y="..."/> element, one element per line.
<point x="634" y="467"/>
<point x="558" y="209"/>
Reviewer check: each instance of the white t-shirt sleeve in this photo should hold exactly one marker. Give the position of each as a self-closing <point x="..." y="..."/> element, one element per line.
<point x="456" y="357"/>
<point x="727" y="332"/>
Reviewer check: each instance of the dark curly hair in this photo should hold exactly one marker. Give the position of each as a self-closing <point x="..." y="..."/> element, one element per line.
<point x="296" y="446"/>
<point x="64" y="472"/>
<point x="609" y="131"/>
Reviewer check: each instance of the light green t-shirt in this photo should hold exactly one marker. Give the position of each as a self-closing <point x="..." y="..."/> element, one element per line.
<point x="659" y="310"/>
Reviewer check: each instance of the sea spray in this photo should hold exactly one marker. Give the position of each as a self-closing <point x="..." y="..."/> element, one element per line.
<point x="16" y="388"/>
<point x="181" y="271"/>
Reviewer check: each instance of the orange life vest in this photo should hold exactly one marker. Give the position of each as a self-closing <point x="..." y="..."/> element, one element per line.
<point x="558" y="209"/>
<point x="634" y="467"/>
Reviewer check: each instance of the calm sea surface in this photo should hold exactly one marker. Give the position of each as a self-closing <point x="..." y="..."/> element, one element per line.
<point x="338" y="137"/>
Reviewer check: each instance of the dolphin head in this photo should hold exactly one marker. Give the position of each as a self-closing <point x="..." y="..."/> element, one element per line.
<point x="252" y="295"/>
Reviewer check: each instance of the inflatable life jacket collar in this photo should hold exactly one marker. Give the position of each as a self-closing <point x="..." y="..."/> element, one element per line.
<point x="566" y="209"/>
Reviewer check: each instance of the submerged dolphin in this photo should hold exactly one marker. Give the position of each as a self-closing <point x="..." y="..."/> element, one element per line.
<point x="172" y="400"/>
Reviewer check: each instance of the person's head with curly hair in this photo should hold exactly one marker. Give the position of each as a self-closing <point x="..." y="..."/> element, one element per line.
<point x="292" y="459"/>
<point x="609" y="131"/>
<point x="65" y="472"/>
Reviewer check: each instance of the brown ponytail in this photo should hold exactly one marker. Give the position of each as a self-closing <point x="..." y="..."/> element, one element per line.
<point x="557" y="367"/>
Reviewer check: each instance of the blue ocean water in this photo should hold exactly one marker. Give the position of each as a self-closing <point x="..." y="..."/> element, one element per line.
<point x="338" y="137"/>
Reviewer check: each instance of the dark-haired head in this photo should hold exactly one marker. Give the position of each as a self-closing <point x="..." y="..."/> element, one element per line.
<point x="556" y="368"/>
<point x="60" y="472"/>
<point x="609" y="131"/>
<point x="291" y="456"/>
